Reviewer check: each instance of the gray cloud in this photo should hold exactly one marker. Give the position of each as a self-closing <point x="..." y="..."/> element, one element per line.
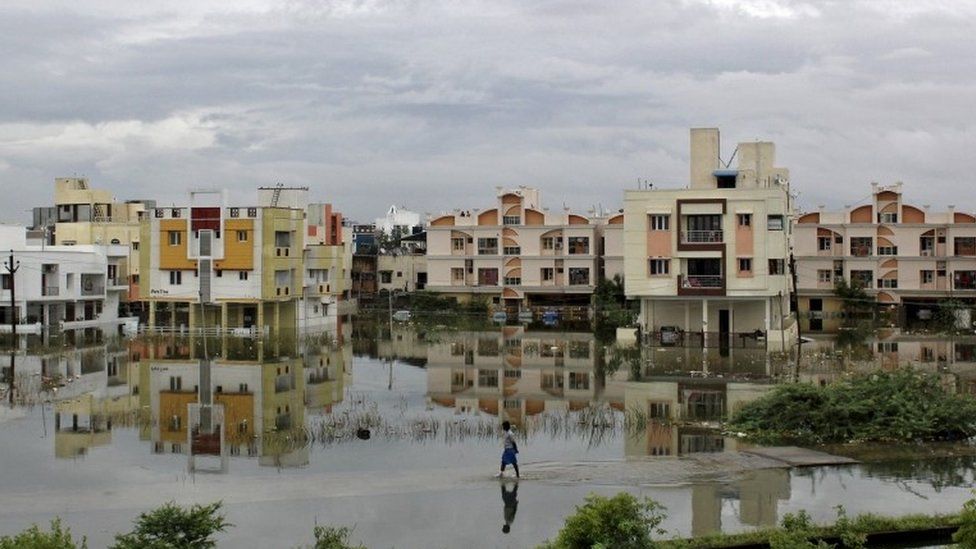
<point x="433" y="104"/>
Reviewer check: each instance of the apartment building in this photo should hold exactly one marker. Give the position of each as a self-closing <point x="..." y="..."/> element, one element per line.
<point x="516" y="253"/>
<point x="327" y="265"/>
<point x="68" y="287"/>
<point x="901" y="254"/>
<point x="83" y="215"/>
<point x="711" y="259"/>
<point x="246" y="260"/>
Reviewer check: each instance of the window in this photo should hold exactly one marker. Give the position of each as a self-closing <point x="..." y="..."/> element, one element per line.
<point x="887" y="282"/>
<point x="745" y="264"/>
<point x="745" y="220"/>
<point x="511" y="250"/>
<point x="579" y="276"/>
<point x="964" y="280"/>
<point x="660" y="267"/>
<point x="176" y="277"/>
<point x="513" y="280"/>
<point x="242" y="275"/>
<point x="887" y="250"/>
<point x="457" y="244"/>
<point x="219" y="273"/>
<point x="659" y="410"/>
<point x="487" y="277"/>
<point x="927" y="276"/>
<point x="511" y="220"/>
<point x="824" y="276"/>
<point x="487" y="246"/>
<point x="777" y="267"/>
<point x="175" y="238"/>
<point x="774" y="223"/>
<point x="547" y="243"/>
<point x="887" y="218"/>
<point x="862" y="278"/>
<point x="175" y="212"/>
<point x="386" y="277"/>
<point x="235" y="212"/>
<point x="579" y="245"/>
<point x="823" y="243"/>
<point x="547" y="274"/>
<point x="964" y="246"/>
<point x="861" y="246"/>
<point x="457" y="274"/>
<point x="6" y="280"/>
<point x="660" y="222"/>
<point x="159" y="213"/>
<point x="242" y="236"/>
<point x="887" y="346"/>
<point x="488" y="378"/>
<point x="135" y="245"/>
<point x="579" y="381"/>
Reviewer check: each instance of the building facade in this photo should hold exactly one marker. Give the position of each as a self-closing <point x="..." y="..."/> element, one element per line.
<point x="712" y="259"/>
<point x="516" y="253"/>
<point x="903" y="255"/>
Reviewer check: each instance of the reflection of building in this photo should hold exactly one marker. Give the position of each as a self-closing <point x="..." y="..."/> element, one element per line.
<point x="673" y="408"/>
<point x="71" y="286"/>
<point x="516" y="374"/>
<point x="517" y="252"/>
<point x="713" y="257"/>
<point x="758" y="493"/>
<point x="899" y="253"/>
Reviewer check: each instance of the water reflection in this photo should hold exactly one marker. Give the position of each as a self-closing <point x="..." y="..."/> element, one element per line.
<point x="757" y="494"/>
<point x="509" y="504"/>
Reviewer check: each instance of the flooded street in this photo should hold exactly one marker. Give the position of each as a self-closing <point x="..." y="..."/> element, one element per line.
<point x="397" y="435"/>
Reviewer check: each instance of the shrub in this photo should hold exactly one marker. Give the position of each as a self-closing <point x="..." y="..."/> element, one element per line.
<point x="966" y="535"/>
<point x="330" y="537"/>
<point x="620" y="522"/>
<point x="903" y="405"/>
<point x="34" y="538"/>
<point x="173" y="527"/>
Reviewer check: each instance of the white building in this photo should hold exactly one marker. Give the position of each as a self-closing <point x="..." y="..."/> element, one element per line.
<point x="398" y="219"/>
<point x="67" y="286"/>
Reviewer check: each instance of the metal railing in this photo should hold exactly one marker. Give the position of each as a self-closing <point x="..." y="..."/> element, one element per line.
<point x="702" y="237"/>
<point x="50" y="290"/>
<point x="701" y="281"/>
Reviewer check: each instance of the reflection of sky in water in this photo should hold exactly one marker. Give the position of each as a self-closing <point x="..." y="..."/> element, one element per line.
<point x="427" y="493"/>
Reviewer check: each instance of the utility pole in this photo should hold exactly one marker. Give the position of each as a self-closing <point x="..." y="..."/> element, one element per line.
<point x="795" y="302"/>
<point x="12" y="269"/>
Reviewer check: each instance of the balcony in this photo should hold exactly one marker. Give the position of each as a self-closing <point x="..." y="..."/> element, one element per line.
<point x="702" y="237"/>
<point x="50" y="291"/>
<point x="702" y="281"/>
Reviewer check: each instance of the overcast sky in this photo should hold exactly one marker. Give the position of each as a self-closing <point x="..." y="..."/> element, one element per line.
<point x="430" y="105"/>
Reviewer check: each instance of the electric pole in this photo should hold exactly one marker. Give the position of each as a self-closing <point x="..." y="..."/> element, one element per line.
<point x="795" y="302"/>
<point x="12" y="269"/>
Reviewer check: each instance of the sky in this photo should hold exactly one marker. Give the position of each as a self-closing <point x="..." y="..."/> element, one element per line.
<point x="432" y="104"/>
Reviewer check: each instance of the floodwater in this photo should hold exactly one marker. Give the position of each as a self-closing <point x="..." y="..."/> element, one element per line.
<point x="396" y="434"/>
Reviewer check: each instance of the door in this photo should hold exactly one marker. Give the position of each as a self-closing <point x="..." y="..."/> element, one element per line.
<point x="724" y="323"/>
<point x="250" y="316"/>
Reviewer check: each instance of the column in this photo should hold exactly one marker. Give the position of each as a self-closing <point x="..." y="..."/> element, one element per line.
<point x="687" y="316"/>
<point x="193" y="316"/>
<point x="223" y="315"/>
<point x="277" y="319"/>
<point x="261" y="317"/>
<point x="152" y="315"/>
<point x="704" y="335"/>
<point x="766" y="322"/>
<point x="172" y="314"/>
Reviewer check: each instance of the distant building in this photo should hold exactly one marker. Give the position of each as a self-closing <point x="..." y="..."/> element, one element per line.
<point x="518" y="254"/>
<point x="399" y="220"/>
<point x="712" y="259"/>
<point x="902" y="255"/>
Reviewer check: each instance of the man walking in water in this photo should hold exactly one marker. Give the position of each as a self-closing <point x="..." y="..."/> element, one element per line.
<point x="510" y="451"/>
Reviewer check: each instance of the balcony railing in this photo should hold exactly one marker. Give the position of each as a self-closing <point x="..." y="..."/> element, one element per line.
<point x="702" y="281"/>
<point x="50" y="290"/>
<point x="92" y="290"/>
<point x="702" y="237"/>
<point x="860" y="251"/>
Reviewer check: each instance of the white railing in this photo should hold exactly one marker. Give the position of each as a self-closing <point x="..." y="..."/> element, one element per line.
<point x="702" y="281"/>
<point x="696" y="237"/>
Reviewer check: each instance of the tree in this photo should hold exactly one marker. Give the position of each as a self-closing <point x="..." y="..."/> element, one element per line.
<point x="35" y="538"/>
<point x="173" y="527"/>
<point x="329" y="537"/>
<point x="621" y="522"/>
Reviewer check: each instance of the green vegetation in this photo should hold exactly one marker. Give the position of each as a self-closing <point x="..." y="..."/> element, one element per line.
<point x="611" y="309"/>
<point x="903" y="405"/>
<point x="329" y="537"/>
<point x="947" y="316"/>
<point x="35" y="538"/>
<point x="173" y="527"/>
<point x="620" y="522"/>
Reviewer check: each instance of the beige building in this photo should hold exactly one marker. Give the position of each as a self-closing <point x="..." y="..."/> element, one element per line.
<point x="517" y="253"/>
<point x="900" y="253"/>
<point x="712" y="259"/>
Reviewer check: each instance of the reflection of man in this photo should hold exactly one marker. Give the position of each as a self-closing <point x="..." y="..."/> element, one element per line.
<point x="510" y="499"/>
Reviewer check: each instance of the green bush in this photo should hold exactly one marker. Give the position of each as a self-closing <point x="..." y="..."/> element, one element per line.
<point x="330" y="537"/>
<point x="173" y="527"/>
<point x="966" y="535"/>
<point x="619" y="522"/>
<point x="34" y="538"/>
<point x="903" y="405"/>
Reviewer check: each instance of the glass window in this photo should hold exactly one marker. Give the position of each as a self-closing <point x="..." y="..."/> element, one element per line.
<point x="579" y="245"/>
<point x="175" y="238"/>
<point x="660" y="267"/>
<point x="745" y="220"/>
<point x="774" y="223"/>
<point x="745" y="264"/>
<point x="660" y="222"/>
<point x="511" y="220"/>
<point x="487" y="246"/>
<point x="824" y="275"/>
<point x="777" y="267"/>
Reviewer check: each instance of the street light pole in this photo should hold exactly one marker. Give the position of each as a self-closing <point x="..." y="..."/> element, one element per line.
<point x="12" y="269"/>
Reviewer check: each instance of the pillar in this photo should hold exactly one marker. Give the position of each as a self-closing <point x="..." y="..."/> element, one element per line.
<point x="704" y="335"/>
<point x="193" y="316"/>
<point x="766" y="321"/>
<point x="261" y="317"/>
<point x="152" y="315"/>
<point x="223" y="315"/>
<point x="687" y="316"/>
<point x="172" y="314"/>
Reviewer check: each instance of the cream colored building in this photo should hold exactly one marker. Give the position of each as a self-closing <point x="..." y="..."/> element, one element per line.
<point x="404" y="272"/>
<point x="517" y="253"/>
<point x="713" y="258"/>
<point x="902" y="254"/>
